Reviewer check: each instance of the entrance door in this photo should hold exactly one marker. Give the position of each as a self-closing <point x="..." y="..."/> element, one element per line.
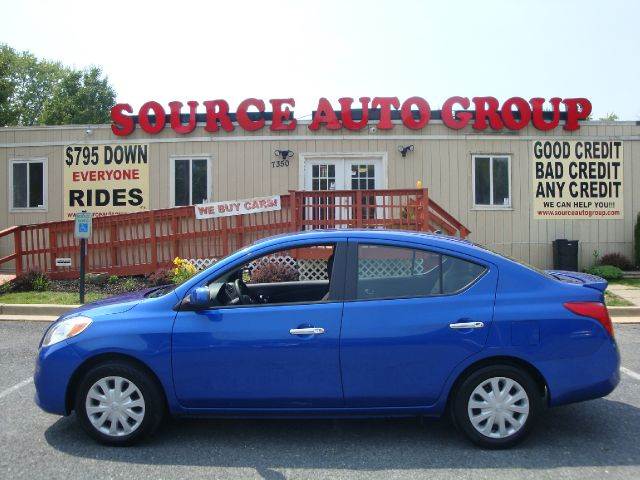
<point x="363" y="175"/>
<point x="341" y="174"/>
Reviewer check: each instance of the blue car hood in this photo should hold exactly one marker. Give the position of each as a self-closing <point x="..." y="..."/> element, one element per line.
<point x="111" y="305"/>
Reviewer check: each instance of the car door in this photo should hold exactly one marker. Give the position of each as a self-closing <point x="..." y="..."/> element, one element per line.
<point x="408" y="320"/>
<point x="260" y="356"/>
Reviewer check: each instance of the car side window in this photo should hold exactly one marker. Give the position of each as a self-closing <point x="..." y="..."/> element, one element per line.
<point x="395" y="272"/>
<point x="292" y="275"/>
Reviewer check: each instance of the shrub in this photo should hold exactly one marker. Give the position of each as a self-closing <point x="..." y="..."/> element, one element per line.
<point x="113" y="279"/>
<point x="183" y="270"/>
<point x="24" y="282"/>
<point x="608" y="272"/>
<point x="267" y="272"/>
<point x="636" y="236"/>
<point x="130" y="285"/>
<point x="617" y="260"/>
<point x="159" y="277"/>
<point x="5" y="288"/>
<point x="97" y="278"/>
<point x="40" y="282"/>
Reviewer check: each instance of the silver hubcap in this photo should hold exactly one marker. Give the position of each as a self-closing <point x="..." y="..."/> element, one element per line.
<point x="115" y="406"/>
<point x="498" y="407"/>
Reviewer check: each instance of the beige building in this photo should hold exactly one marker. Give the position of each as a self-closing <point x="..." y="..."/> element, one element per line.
<point x="487" y="180"/>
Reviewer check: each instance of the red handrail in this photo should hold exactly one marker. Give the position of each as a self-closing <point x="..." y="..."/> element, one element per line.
<point x="140" y="243"/>
<point x="17" y="247"/>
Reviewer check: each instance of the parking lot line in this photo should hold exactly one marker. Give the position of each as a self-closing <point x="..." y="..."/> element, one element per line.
<point x="17" y="386"/>
<point x="631" y="373"/>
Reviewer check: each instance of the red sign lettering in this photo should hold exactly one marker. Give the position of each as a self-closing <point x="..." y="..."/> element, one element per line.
<point x="515" y="113"/>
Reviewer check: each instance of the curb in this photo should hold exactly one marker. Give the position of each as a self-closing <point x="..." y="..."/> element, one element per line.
<point x="633" y="311"/>
<point x="625" y="320"/>
<point x="35" y="309"/>
<point x="28" y="318"/>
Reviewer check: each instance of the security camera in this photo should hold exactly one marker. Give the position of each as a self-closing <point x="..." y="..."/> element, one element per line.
<point x="88" y="131"/>
<point x="372" y="129"/>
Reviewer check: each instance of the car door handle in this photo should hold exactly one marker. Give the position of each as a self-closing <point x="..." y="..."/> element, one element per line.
<point x="461" y="325"/>
<point x="307" y="331"/>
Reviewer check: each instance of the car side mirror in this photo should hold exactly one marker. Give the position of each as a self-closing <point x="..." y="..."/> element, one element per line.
<point x="200" y="297"/>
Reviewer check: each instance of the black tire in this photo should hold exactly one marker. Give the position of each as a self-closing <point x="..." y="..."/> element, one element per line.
<point x="154" y="405"/>
<point x="462" y="395"/>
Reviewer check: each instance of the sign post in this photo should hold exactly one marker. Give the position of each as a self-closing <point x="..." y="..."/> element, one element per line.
<point x="82" y="231"/>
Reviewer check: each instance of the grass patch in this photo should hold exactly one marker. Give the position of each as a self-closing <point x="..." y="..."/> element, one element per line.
<point x="58" y="298"/>
<point x="613" y="300"/>
<point x="632" y="282"/>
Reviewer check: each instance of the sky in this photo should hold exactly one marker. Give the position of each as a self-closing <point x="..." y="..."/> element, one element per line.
<point x="188" y="50"/>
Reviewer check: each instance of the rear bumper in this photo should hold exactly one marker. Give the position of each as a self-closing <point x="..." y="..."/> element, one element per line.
<point x="54" y="367"/>
<point x="583" y="378"/>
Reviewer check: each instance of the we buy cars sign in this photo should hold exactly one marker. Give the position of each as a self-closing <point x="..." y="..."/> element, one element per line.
<point x="238" y="207"/>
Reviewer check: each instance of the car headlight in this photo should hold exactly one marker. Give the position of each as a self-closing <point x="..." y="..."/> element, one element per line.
<point x="67" y="328"/>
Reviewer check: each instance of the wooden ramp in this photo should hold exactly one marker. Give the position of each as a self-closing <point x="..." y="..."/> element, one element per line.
<point x="141" y="243"/>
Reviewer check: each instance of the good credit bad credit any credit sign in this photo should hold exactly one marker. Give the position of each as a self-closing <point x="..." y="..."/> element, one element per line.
<point x="106" y="179"/>
<point x="577" y="179"/>
<point x="238" y="207"/>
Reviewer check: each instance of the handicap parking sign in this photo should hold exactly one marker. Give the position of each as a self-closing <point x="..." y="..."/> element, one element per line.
<point x="83" y="225"/>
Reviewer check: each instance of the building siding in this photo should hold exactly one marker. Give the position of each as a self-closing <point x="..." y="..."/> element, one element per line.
<point x="241" y="167"/>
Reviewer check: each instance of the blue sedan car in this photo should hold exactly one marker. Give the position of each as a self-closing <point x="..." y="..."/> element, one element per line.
<point x="332" y="324"/>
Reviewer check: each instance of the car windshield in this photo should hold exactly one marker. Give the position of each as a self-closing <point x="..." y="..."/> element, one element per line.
<point x="164" y="289"/>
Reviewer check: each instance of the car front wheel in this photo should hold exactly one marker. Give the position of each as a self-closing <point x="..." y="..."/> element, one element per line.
<point x="118" y="404"/>
<point x="496" y="406"/>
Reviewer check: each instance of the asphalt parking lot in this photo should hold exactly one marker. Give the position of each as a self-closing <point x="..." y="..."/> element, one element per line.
<point x="593" y="440"/>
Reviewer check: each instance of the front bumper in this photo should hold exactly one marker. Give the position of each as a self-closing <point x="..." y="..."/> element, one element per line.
<point x="54" y="368"/>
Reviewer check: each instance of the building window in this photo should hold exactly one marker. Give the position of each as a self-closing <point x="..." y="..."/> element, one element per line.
<point x="28" y="184"/>
<point x="491" y="181"/>
<point x="190" y="180"/>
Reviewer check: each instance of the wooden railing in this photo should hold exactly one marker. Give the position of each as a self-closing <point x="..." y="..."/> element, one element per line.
<point x="140" y="243"/>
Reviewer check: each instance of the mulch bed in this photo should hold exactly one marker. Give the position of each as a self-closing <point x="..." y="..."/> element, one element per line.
<point x="122" y="285"/>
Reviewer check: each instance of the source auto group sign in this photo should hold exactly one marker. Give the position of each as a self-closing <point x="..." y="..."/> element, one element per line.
<point x="577" y="179"/>
<point x="106" y="179"/>
<point x="514" y="113"/>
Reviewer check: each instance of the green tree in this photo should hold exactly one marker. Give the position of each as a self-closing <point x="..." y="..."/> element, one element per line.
<point x="6" y="88"/>
<point x="81" y="97"/>
<point x="636" y="246"/>
<point x="610" y="117"/>
<point x="34" y="91"/>
<point x="27" y="83"/>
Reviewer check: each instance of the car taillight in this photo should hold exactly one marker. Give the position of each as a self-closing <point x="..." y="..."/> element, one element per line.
<point x="595" y="310"/>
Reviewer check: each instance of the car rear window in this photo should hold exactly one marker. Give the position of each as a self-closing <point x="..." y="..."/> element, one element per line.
<point x="518" y="261"/>
<point x="458" y="273"/>
<point x="397" y="272"/>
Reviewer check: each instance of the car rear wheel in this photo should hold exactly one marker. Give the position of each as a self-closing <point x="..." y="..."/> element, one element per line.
<point x="496" y="406"/>
<point x="118" y="404"/>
